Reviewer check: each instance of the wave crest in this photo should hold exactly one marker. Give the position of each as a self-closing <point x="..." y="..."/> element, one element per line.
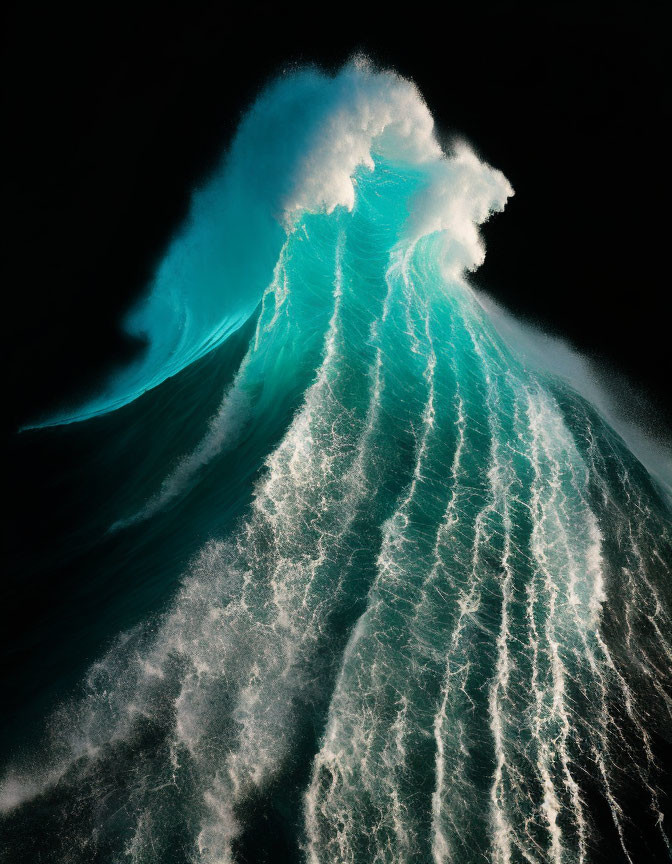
<point x="297" y="151"/>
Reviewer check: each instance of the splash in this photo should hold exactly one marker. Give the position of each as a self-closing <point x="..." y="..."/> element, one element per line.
<point x="441" y="631"/>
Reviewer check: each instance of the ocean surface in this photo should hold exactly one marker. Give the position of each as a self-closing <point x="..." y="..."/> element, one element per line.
<point x="348" y="566"/>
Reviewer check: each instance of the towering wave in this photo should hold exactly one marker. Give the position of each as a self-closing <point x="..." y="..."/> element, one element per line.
<point x="441" y="632"/>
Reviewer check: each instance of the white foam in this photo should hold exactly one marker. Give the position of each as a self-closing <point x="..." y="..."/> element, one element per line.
<point x="359" y="108"/>
<point x="343" y="123"/>
<point x="461" y="194"/>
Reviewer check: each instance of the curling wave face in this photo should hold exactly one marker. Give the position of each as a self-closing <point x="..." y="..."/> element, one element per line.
<point x="441" y="631"/>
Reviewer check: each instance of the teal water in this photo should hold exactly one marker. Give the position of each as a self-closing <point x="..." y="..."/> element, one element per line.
<point x="389" y="590"/>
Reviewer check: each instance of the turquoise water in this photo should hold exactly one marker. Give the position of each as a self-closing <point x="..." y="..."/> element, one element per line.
<point x="389" y="590"/>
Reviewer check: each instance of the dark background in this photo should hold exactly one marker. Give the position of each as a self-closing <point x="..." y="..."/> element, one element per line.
<point x="112" y="115"/>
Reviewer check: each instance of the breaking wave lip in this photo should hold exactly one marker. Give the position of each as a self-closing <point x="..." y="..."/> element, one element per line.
<point x="450" y="563"/>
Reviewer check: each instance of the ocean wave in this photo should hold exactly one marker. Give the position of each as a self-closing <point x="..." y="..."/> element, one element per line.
<point x="441" y="630"/>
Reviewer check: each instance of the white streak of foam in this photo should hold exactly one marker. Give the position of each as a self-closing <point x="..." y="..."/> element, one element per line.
<point x="550" y="804"/>
<point x="556" y="444"/>
<point x="468" y="603"/>
<point x="499" y="686"/>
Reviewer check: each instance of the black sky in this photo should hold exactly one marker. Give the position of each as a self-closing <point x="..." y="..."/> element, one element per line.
<point x="113" y="115"/>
